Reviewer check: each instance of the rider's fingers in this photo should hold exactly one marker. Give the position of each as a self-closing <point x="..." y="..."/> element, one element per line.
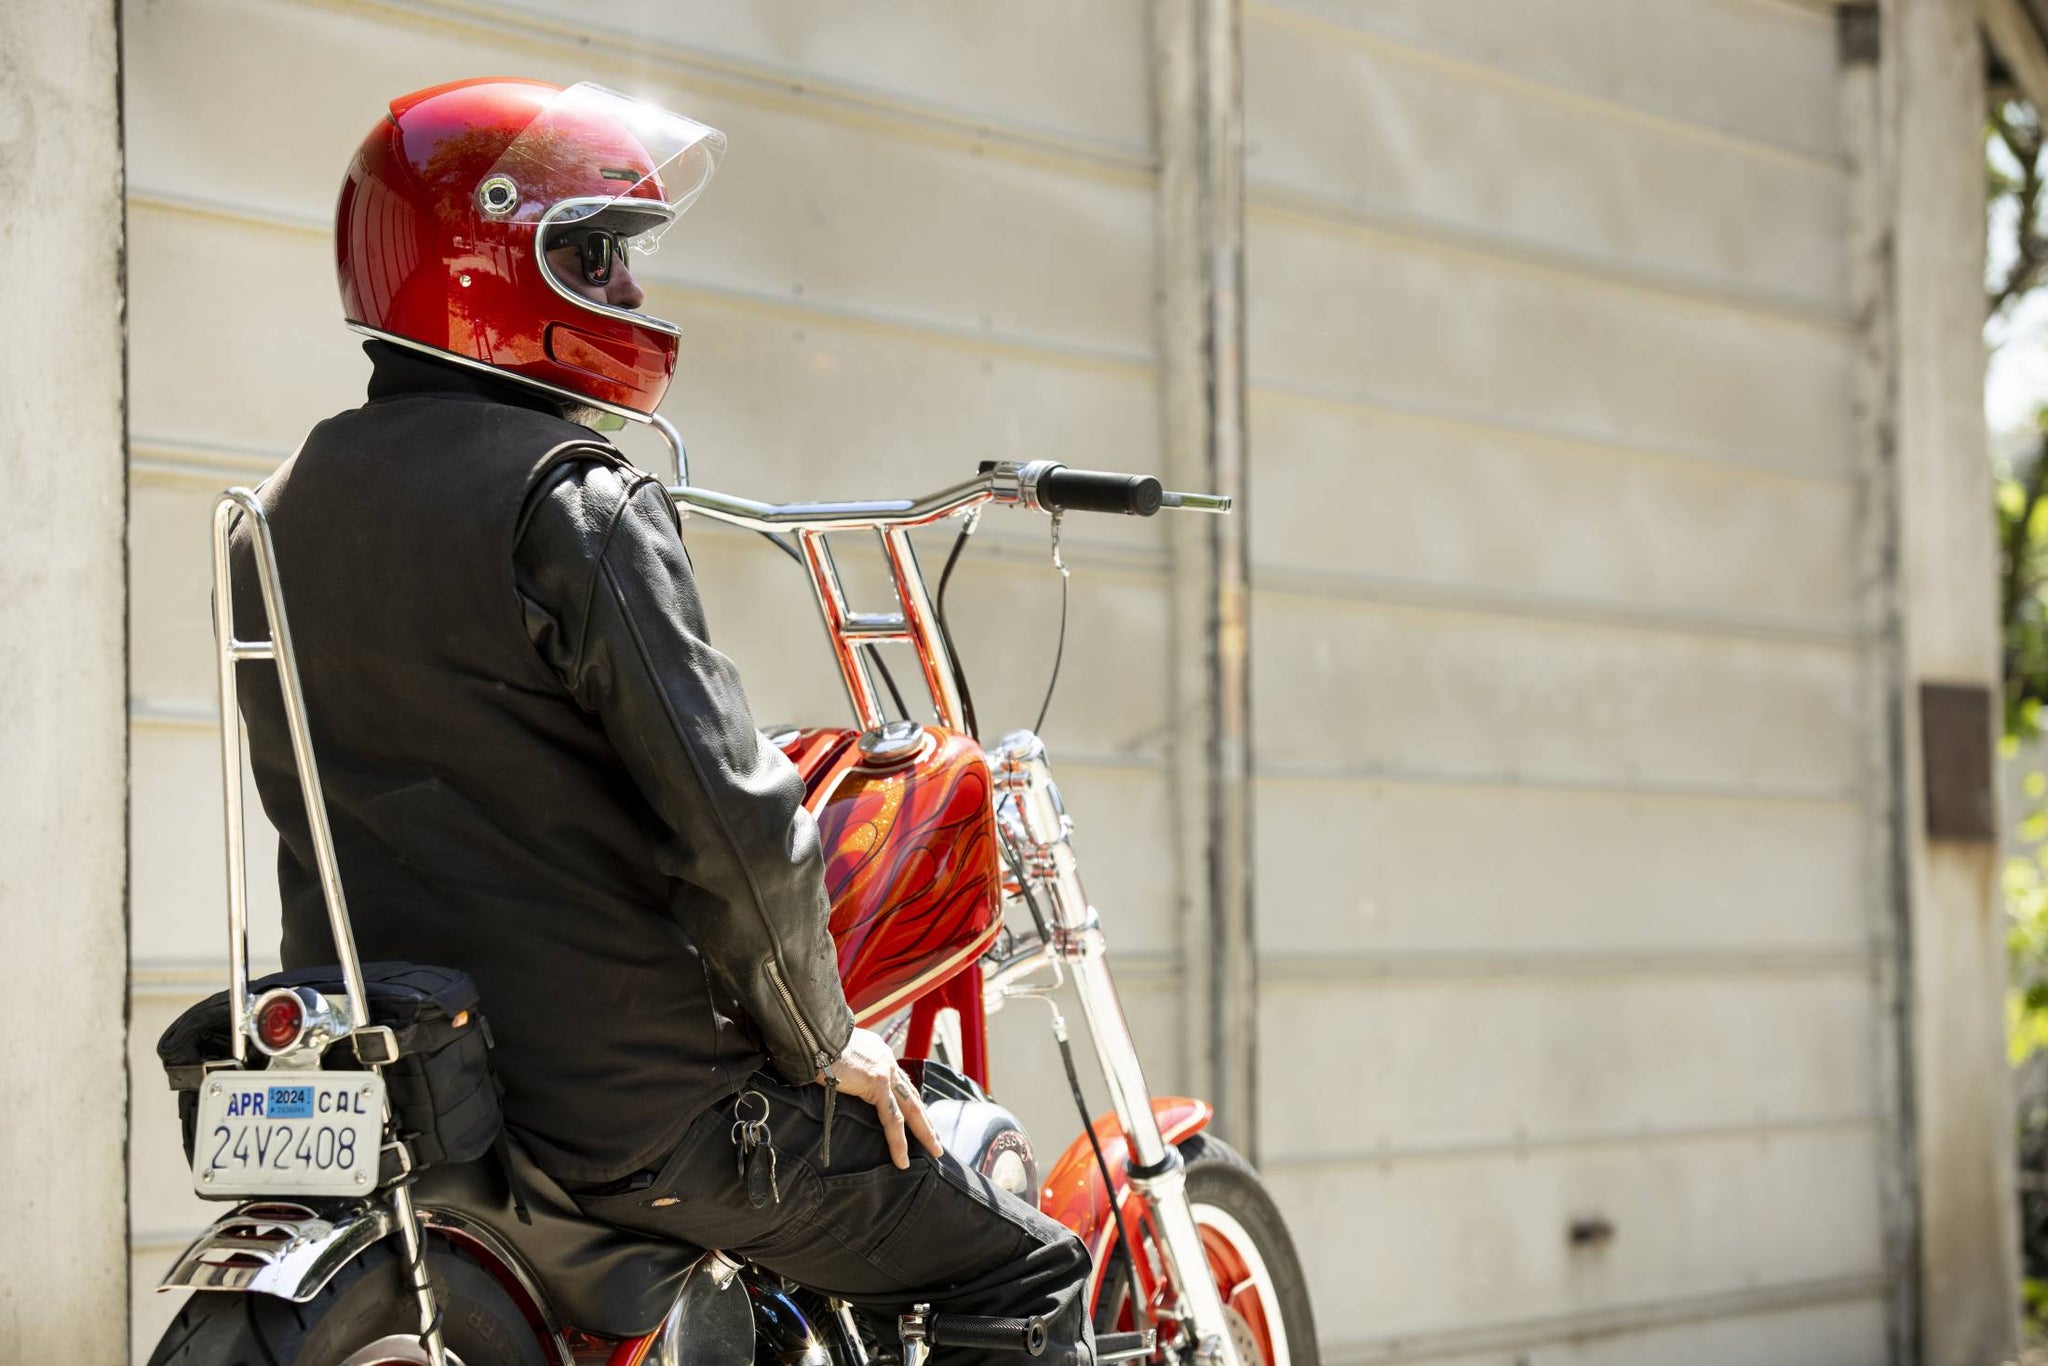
<point x="920" y="1124"/>
<point x="892" y="1128"/>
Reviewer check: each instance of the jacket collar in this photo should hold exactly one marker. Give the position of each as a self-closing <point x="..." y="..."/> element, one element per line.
<point x="399" y="373"/>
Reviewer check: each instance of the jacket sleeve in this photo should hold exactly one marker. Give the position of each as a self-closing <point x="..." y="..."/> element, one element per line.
<point x="612" y="606"/>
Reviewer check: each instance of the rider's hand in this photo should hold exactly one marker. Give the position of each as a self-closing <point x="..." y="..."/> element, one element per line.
<point x="866" y="1068"/>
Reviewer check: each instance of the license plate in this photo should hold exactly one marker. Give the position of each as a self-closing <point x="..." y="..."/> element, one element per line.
<point x="309" y="1133"/>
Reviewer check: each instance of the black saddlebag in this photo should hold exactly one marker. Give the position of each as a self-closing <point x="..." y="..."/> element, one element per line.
<point x="444" y="1100"/>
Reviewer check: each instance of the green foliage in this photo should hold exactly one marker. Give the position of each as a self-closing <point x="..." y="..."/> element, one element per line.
<point x="2021" y="507"/>
<point x="2026" y="940"/>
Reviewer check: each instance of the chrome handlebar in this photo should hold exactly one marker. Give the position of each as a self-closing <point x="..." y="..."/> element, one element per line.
<point x="1005" y="483"/>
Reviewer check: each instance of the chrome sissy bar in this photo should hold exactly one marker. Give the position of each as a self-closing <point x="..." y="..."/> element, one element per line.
<point x="228" y="510"/>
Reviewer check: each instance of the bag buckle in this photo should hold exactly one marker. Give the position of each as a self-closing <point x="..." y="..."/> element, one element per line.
<point x="376" y="1045"/>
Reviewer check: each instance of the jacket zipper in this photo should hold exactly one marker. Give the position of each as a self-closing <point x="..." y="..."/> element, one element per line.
<point x="823" y="1062"/>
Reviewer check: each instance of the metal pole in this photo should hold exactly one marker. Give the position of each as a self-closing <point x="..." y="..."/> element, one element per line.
<point x="225" y="510"/>
<point x="1198" y="102"/>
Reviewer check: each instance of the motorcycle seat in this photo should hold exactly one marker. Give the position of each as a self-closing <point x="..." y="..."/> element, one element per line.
<point x="595" y="1277"/>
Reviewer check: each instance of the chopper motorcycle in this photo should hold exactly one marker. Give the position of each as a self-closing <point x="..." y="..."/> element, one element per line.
<point x="357" y="1237"/>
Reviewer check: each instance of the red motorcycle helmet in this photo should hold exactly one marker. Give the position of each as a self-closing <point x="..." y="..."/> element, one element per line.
<point x="454" y="203"/>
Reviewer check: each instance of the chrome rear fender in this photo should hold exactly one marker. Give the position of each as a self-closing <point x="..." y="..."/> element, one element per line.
<point x="272" y="1247"/>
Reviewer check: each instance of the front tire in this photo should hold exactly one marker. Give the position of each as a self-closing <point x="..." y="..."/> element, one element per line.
<point x="366" y="1316"/>
<point x="1250" y="1253"/>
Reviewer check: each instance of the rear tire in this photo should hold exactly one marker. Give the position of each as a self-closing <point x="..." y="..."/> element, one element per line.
<point x="366" y="1316"/>
<point x="1249" y="1250"/>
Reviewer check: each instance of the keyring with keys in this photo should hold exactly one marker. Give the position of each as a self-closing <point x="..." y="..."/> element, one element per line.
<point x="751" y="1139"/>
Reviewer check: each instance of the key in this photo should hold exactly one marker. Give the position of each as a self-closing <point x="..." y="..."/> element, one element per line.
<point x="762" y="1187"/>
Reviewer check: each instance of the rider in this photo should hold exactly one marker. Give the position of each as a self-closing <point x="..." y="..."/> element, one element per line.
<point x="536" y="766"/>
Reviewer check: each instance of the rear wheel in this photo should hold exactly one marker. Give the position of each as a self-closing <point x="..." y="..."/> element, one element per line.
<point x="366" y="1316"/>
<point x="1251" y="1255"/>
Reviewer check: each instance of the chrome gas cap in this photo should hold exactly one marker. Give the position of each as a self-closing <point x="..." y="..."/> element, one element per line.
<point x="893" y="742"/>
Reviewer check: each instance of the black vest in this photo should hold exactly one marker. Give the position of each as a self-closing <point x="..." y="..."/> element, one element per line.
<point x="482" y="819"/>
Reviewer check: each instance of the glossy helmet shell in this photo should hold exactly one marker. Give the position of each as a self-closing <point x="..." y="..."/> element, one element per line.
<point x="423" y="264"/>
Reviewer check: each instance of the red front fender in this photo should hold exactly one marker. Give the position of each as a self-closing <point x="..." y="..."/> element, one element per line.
<point x="1073" y="1192"/>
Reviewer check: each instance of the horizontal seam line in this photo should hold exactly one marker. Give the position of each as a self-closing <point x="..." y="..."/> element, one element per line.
<point x="1534" y="1144"/>
<point x="1352" y="969"/>
<point x="1392" y="775"/>
<point x="1323" y="210"/>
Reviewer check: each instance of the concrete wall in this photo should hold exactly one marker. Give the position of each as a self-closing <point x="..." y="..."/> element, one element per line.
<point x="63" y="783"/>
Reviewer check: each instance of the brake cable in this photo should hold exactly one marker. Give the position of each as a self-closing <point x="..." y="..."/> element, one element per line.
<point x="1060" y="650"/>
<point x="946" y="632"/>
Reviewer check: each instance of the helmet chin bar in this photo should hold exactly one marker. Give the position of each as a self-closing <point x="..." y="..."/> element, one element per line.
<point x="556" y="391"/>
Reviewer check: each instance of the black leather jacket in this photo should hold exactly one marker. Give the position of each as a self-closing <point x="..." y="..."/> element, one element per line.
<point x="612" y="606"/>
<point x="536" y="766"/>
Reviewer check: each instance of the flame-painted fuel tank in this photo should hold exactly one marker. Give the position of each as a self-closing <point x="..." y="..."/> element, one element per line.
<point x="911" y="859"/>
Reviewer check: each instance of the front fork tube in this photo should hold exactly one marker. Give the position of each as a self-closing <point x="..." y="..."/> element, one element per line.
<point x="1035" y="819"/>
<point x="1156" y="1170"/>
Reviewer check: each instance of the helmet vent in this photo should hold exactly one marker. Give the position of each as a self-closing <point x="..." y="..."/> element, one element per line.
<point x="498" y="196"/>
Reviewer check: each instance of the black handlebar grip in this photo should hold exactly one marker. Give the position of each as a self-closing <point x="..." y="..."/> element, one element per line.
<point x="1063" y="490"/>
<point x="986" y="1335"/>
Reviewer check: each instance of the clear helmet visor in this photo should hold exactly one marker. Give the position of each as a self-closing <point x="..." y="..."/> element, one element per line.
<point x="601" y="176"/>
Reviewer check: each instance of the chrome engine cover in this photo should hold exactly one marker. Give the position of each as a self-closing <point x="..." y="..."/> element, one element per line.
<point x="987" y="1138"/>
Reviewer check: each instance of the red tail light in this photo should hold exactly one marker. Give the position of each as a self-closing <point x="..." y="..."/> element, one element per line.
<point x="280" y="1021"/>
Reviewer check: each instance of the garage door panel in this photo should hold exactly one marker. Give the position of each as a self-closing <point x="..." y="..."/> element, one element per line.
<point x="170" y="586"/>
<point x="1387" y="500"/>
<point x="803" y="207"/>
<point x="1467" y="695"/>
<point x="1762" y="72"/>
<point x="161" y="1200"/>
<point x="1571" y="1055"/>
<point x="1349" y="313"/>
<point x="1123" y="833"/>
<point x="249" y="369"/>
<point x="1365" y="128"/>
<point x="1417" y="871"/>
<point x="1072" y="66"/>
<point x="177" y="882"/>
<point x="1689" y="1218"/>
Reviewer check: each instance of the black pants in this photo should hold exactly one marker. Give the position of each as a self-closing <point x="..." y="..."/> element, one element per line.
<point x="862" y="1231"/>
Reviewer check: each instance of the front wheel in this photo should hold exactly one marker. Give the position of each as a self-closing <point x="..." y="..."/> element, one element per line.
<point x="366" y="1316"/>
<point x="1251" y="1255"/>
